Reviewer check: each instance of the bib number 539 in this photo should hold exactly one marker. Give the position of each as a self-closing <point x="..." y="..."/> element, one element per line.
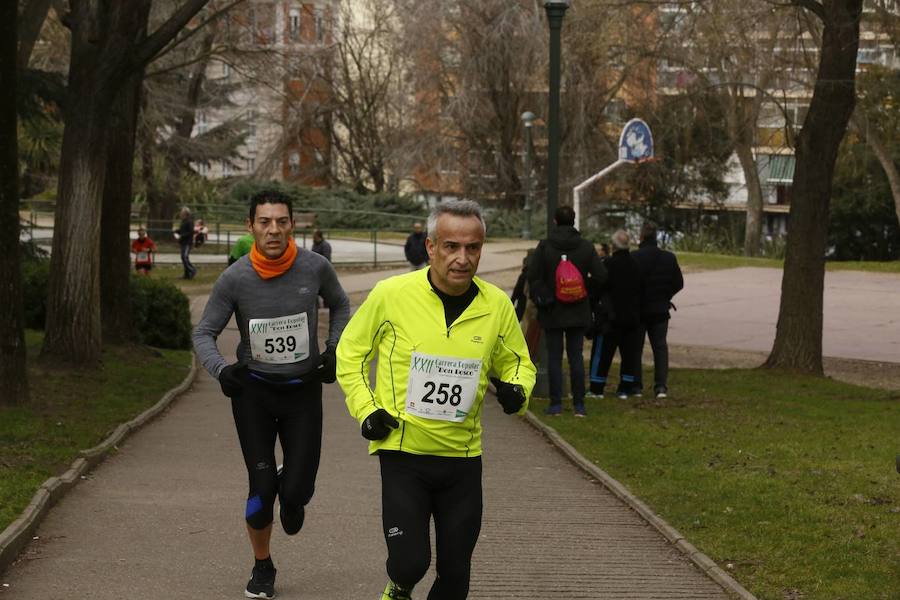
<point x="280" y="344"/>
<point x="442" y="393"/>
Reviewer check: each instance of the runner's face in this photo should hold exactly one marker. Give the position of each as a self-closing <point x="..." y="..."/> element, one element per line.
<point x="271" y="228"/>
<point x="455" y="253"/>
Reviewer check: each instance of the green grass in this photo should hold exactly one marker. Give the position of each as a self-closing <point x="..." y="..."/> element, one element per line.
<point x="789" y="479"/>
<point x="202" y="283"/>
<point x="75" y="410"/>
<point x="698" y="261"/>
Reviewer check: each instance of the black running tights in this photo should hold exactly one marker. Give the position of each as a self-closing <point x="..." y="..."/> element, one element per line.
<point x="415" y="488"/>
<point x="293" y="414"/>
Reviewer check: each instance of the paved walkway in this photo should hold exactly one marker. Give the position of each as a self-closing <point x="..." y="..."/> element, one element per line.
<point x="738" y="308"/>
<point x="163" y="519"/>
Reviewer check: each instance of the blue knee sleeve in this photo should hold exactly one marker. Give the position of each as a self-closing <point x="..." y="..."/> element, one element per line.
<point x="259" y="512"/>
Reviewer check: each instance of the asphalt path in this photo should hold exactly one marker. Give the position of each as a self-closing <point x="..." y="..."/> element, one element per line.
<point x="738" y="309"/>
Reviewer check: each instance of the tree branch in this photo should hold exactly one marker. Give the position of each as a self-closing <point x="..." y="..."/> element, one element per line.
<point x="147" y="50"/>
<point x="31" y="19"/>
<point x="812" y="6"/>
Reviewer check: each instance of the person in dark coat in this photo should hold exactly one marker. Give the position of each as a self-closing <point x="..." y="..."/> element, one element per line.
<point x="559" y="319"/>
<point x="185" y="235"/>
<point x="618" y="323"/>
<point x="320" y="246"/>
<point x="416" y="255"/>
<point x="661" y="279"/>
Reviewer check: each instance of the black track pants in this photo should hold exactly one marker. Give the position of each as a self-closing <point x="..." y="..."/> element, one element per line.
<point x="413" y="489"/>
<point x="294" y="415"/>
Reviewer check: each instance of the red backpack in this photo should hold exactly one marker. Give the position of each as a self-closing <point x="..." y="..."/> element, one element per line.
<point x="569" y="282"/>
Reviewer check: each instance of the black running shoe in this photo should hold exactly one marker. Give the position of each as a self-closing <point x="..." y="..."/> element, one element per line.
<point x="262" y="583"/>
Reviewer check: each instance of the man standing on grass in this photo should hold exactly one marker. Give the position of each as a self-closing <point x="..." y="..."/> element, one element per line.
<point x="276" y="385"/>
<point x="661" y="279"/>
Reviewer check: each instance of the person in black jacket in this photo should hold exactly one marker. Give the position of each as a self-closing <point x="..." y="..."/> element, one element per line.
<point x="416" y="255"/>
<point x="661" y="279"/>
<point x="619" y="304"/>
<point x="185" y="235"/>
<point x="560" y="319"/>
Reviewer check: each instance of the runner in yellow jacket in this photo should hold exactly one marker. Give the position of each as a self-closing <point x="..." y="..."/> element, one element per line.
<point x="439" y="335"/>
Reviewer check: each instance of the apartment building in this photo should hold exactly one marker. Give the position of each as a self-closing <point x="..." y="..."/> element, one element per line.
<point x="781" y="63"/>
<point x="280" y="49"/>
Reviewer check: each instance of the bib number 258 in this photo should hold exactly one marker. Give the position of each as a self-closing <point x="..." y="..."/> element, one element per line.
<point x="280" y="344"/>
<point x="442" y="393"/>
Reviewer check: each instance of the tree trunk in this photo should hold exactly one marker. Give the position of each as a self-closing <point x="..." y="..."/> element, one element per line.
<point x="13" y="372"/>
<point x="798" y="338"/>
<point x="73" y="300"/>
<point x="103" y="36"/>
<point x="115" y="245"/>
<point x="860" y="124"/>
<point x="753" y="227"/>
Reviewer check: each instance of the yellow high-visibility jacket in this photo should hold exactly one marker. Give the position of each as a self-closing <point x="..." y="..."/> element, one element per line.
<point x="403" y="315"/>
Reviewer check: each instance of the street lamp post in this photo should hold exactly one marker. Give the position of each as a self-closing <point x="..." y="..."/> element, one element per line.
<point x="528" y="120"/>
<point x="556" y="10"/>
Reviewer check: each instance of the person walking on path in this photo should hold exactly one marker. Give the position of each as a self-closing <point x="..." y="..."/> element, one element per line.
<point x="185" y="235"/>
<point x="661" y="279"/>
<point x="276" y="384"/>
<point x="416" y="254"/>
<point x="320" y="246"/>
<point x="143" y="248"/>
<point x="620" y="300"/>
<point x="563" y="314"/>
<point x="439" y="333"/>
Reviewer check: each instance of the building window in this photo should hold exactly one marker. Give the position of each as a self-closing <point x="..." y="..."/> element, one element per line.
<point x="251" y="123"/>
<point x="202" y="124"/>
<point x="226" y="168"/>
<point x="226" y="70"/>
<point x="294" y="162"/>
<point x="251" y="163"/>
<point x="294" y="24"/>
<point x="320" y="26"/>
<point x="203" y="169"/>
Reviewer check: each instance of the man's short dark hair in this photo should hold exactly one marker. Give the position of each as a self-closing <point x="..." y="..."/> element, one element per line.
<point x="270" y="197"/>
<point x="648" y="231"/>
<point x="565" y="215"/>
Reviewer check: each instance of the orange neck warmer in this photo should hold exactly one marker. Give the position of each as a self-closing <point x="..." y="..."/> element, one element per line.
<point x="267" y="268"/>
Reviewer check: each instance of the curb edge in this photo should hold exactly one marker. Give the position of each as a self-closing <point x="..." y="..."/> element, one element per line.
<point x="705" y="564"/>
<point x="16" y="536"/>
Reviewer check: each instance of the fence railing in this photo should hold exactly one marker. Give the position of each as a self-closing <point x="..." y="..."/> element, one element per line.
<point x="350" y="246"/>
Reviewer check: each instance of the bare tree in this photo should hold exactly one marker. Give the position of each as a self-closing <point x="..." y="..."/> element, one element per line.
<point x="798" y="338"/>
<point x="737" y="51"/>
<point x="370" y="106"/>
<point x="476" y="64"/>
<point x="13" y="371"/>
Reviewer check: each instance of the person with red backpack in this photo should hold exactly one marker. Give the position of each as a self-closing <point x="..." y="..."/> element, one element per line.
<point x="562" y="270"/>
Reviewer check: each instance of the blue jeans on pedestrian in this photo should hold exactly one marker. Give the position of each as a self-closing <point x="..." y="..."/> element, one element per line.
<point x="574" y="338"/>
<point x="189" y="269"/>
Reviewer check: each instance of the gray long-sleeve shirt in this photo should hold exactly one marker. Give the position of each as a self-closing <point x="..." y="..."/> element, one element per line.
<point x="277" y="318"/>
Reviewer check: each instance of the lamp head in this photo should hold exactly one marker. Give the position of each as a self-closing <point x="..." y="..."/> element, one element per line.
<point x="528" y="118"/>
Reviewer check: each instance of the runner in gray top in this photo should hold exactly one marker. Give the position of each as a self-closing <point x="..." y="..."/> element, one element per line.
<point x="276" y="385"/>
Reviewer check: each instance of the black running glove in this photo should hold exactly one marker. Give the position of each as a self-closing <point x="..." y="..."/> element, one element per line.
<point x="378" y="425"/>
<point x="231" y="379"/>
<point x="326" y="371"/>
<point x="510" y="395"/>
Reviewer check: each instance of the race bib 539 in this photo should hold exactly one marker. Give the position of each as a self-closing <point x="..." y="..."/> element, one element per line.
<point x="280" y="340"/>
